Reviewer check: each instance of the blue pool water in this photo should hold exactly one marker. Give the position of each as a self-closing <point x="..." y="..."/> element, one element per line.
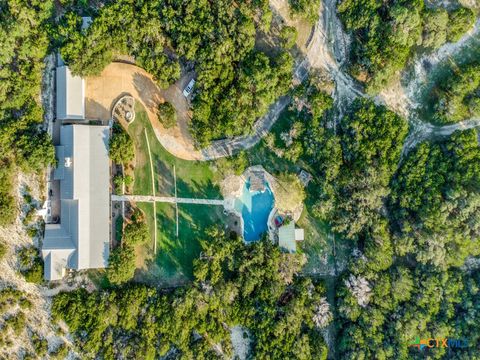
<point x="255" y="208"/>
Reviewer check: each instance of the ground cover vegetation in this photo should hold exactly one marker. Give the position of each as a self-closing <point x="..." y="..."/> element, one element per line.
<point x="255" y="287"/>
<point x="386" y="34"/>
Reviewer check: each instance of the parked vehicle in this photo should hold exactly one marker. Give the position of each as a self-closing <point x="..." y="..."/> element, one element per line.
<point x="188" y="90"/>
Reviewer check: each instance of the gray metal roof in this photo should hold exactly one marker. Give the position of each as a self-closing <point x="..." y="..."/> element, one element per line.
<point x="70" y="95"/>
<point x="85" y="200"/>
<point x="286" y="237"/>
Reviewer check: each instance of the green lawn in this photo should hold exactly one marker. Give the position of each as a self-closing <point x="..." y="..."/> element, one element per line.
<point x="175" y="255"/>
<point x="194" y="178"/>
<point x="174" y="261"/>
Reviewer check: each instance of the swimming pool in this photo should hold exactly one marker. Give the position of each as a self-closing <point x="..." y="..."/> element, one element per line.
<point x="255" y="206"/>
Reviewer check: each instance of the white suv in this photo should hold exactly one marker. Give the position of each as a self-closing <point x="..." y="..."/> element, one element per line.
<point x="188" y="90"/>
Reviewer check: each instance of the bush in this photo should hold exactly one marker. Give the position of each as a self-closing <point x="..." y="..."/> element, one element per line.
<point x="118" y="184"/>
<point x="122" y="149"/>
<point x="16" y="322"/>
<point x="167" y="115"/>
<point x="31" y="264"/>
<point x="121" y="267"/>
<point x="3" y="250"/>
<point x="121" y="264"/>
<point x="288" y="36"/>
<point x="305" y="9"/>
<point x="35" y="273"/>
<point x="460" y="21"/>
<point x="60" y="352"/>
<point x="40" y="345"/>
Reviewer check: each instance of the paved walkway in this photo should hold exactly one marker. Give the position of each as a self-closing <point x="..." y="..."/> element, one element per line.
<point x="167" y="199"/>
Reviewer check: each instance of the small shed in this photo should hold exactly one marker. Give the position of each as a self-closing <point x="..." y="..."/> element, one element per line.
<point x="288" y="236"/>
<point x="305" y="177"/>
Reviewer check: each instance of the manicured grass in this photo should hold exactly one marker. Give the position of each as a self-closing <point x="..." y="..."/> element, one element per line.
<point x="175" y="255"/>
<point x="173" y="263"/>
<point x="194" y="178"/>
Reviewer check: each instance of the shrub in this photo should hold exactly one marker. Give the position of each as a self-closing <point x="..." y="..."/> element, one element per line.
<point x="121" y="264"/>
<point x="288" y="36"/>
<point x="35" y="273"/>
<point x="40" y="345"/>
<point x="31" y="264"/>
<point x="3" y="250"/>
<point x="16" y="322"/>
<point x="60" y="352"/>
<point x="118" y="184"/>
<point x="121" y="267"/>
<point x="121" y="150"/>
<point x="167" y="115"/>
<point x="305" y="9"/>
<point x="460" y="21"/>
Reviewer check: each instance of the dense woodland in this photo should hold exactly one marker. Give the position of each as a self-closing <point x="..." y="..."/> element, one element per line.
<point x="235" y="83"/>
<point x="254" y="286"/>
<point x="454" y="95"/>
<point x="23" y="143"/>
<point x="386" y="34"/>
<point x="412" y="219"/>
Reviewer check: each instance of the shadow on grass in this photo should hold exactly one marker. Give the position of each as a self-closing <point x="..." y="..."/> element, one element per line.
<point x="175" y="255"/>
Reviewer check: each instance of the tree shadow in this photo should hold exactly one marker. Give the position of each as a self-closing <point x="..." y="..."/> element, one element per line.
<point x="197" y="189"/>
<point x="150" y="94"/>
<point x="96" y="111"/>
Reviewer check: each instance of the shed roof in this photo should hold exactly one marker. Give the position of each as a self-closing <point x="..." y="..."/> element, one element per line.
<point x="70" y="95"/>
<point x="286" y="237"/>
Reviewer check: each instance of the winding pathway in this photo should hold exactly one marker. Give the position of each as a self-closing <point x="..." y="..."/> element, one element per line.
<point x="326" y="49"/>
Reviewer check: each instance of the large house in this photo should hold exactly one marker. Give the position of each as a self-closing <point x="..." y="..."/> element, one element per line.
<point x="79" y="237"/>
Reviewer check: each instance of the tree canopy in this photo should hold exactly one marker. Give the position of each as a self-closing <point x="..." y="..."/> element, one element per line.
<point x="252" y="286"/>
<point x="386" y="34"/>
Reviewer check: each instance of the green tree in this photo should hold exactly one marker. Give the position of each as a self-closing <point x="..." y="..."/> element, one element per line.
<point x="305" y="9"/>
<point x="121" y="145"/>
<point x="167" y="115"/>
<point x="288" y="36"/>
<point x="460" y="21"/>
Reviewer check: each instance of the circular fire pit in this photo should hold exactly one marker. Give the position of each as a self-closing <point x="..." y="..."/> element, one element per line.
<point x="124" y="109"/>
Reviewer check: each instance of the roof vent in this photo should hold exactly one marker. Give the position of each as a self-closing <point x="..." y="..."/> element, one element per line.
<point x="68" y="162"/>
